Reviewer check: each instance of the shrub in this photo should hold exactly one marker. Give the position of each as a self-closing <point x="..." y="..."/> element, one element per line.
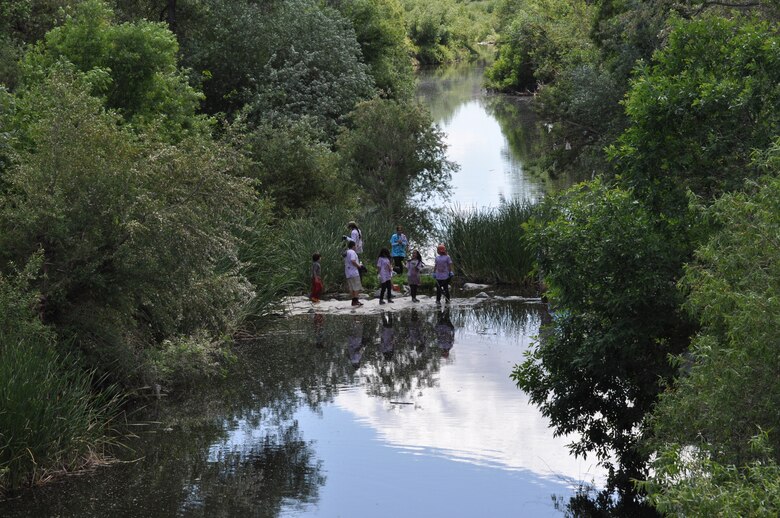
<point x="49" y="418"/>
<point x="138" y="235"/>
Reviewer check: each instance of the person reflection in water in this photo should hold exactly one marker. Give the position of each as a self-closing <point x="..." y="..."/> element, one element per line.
<point x="386" y="338"/>
<point x="415" y="334"/>
<point x="319" y="330"/>
<point x="445" y="333"/>
<point x="355" y="342"/>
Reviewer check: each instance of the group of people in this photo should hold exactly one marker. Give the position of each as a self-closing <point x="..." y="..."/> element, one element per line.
<point x="390" y="261"/>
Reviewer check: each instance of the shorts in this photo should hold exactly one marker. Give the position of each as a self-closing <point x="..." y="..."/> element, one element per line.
<point x="353" y="283"/>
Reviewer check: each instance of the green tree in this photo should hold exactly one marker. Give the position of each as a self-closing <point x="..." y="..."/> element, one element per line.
<point x="610" y="266"/>
<point x="728" y="391"/>
<point x="133" y="66"/>
<point x="24" y="22"/>
<point x="394" y="152"/>
<point x="293" y="165"/>
<point x="298" y="59"/>
<point x="381" y="32"/>
<point x="543" y="37"/>
<point x="315" y="68"/>
<point x="137" y="234"/>
<point x="701" y="108"/>
<point x="688" y="482"/>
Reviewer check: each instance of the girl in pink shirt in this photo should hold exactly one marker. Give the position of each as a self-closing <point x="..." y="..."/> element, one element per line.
<point x="385" y="268"/>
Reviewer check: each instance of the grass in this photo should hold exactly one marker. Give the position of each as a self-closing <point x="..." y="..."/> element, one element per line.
<point x="280" y="254"/>
<point x="488" y="245"/>
<point x="50" y="418"/>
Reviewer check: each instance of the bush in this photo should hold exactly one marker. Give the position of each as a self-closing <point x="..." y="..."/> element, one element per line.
<point x="138" y="235"/>
<point x="611" y="267"/>
<point x="50" y="419"/>
<point x="688" y="482"/>
<point x="729" y="389"/>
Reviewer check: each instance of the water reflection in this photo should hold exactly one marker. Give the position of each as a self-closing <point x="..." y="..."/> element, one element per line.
<point x="492" y="137"/>
<point x="355" y="342"/>
<point x="324" y="413"/>
<point x="445" y="332"/>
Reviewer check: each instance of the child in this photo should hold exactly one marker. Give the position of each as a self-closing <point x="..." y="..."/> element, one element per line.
<point x="385" y="274"/>
<point x="316" y="278"/>
<point x="442" y="272"/>
<point x="413" y="267"/>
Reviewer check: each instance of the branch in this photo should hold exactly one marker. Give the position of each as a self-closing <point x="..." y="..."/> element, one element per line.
<point x="713" y="3"/>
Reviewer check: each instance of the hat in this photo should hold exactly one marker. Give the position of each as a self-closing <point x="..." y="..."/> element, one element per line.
<point x="441" y="249"/>
<point x="352" y="224"/>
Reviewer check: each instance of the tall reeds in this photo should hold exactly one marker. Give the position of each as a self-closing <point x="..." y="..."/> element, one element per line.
<point x="279" y="254"/>
<point x="50" y="417"/>
<point x="489" y="244"/>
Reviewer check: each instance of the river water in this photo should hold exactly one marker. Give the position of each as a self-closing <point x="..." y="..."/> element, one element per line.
<point x="405" y="412"/>
<point x="492" y="138"/>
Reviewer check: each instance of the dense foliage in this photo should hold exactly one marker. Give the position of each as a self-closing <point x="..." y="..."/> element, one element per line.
<point x="686" y="169"/>
<point x="490" y="244"/>
<point x="49" y="419"/>
<point x="163" y="160"/>
<point x="705" y="103"/>
<point x="448" y="30"/>
<point x="396" y="154"/>
<point x="598" y="367"/>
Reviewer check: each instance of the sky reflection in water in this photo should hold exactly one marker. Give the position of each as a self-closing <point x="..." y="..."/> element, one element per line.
<point x="491" y="137"/>
<point x="469" y="443"/>
<point x="298" y="430"/>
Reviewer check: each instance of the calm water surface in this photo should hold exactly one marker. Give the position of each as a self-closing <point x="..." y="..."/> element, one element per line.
<point x="491" y="137"/>
<point x="407" y="413"/>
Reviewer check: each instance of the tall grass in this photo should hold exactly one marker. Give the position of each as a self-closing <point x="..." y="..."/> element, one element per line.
<point x="489" y="245"/>
<point x="323" y="232"/>
<point x="50" y="419"/>
<point x="278" y="254"/>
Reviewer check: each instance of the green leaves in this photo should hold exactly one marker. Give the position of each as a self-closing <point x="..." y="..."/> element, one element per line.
<point x="138" y="235"/>
<point x="139" y="76"/>
<point x="394" y="152"/>
<point x="706" y="102"/>
<point x="610" y="265"/>
<point x="541" y="39"/>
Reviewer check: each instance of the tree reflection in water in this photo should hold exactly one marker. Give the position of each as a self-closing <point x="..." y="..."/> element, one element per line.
<point x="236" y="448"/>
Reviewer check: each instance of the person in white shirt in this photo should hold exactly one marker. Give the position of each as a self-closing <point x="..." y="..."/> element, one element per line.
<point x="352" y="272"/>
<point x="356" y="235"/>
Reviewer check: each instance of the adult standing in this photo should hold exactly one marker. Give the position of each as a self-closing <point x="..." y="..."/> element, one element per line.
<point x="398" y="242"/>
<point x="442" y="272"/>
<point x="356" y="236"/>
<point x="352" y="272"/>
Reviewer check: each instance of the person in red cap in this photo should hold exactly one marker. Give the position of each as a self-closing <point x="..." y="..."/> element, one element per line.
<point x="443" y="271"/>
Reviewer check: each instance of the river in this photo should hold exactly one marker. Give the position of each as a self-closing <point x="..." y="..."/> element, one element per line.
<point x="408" y="411"/>
<point x="492" y="137"/>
